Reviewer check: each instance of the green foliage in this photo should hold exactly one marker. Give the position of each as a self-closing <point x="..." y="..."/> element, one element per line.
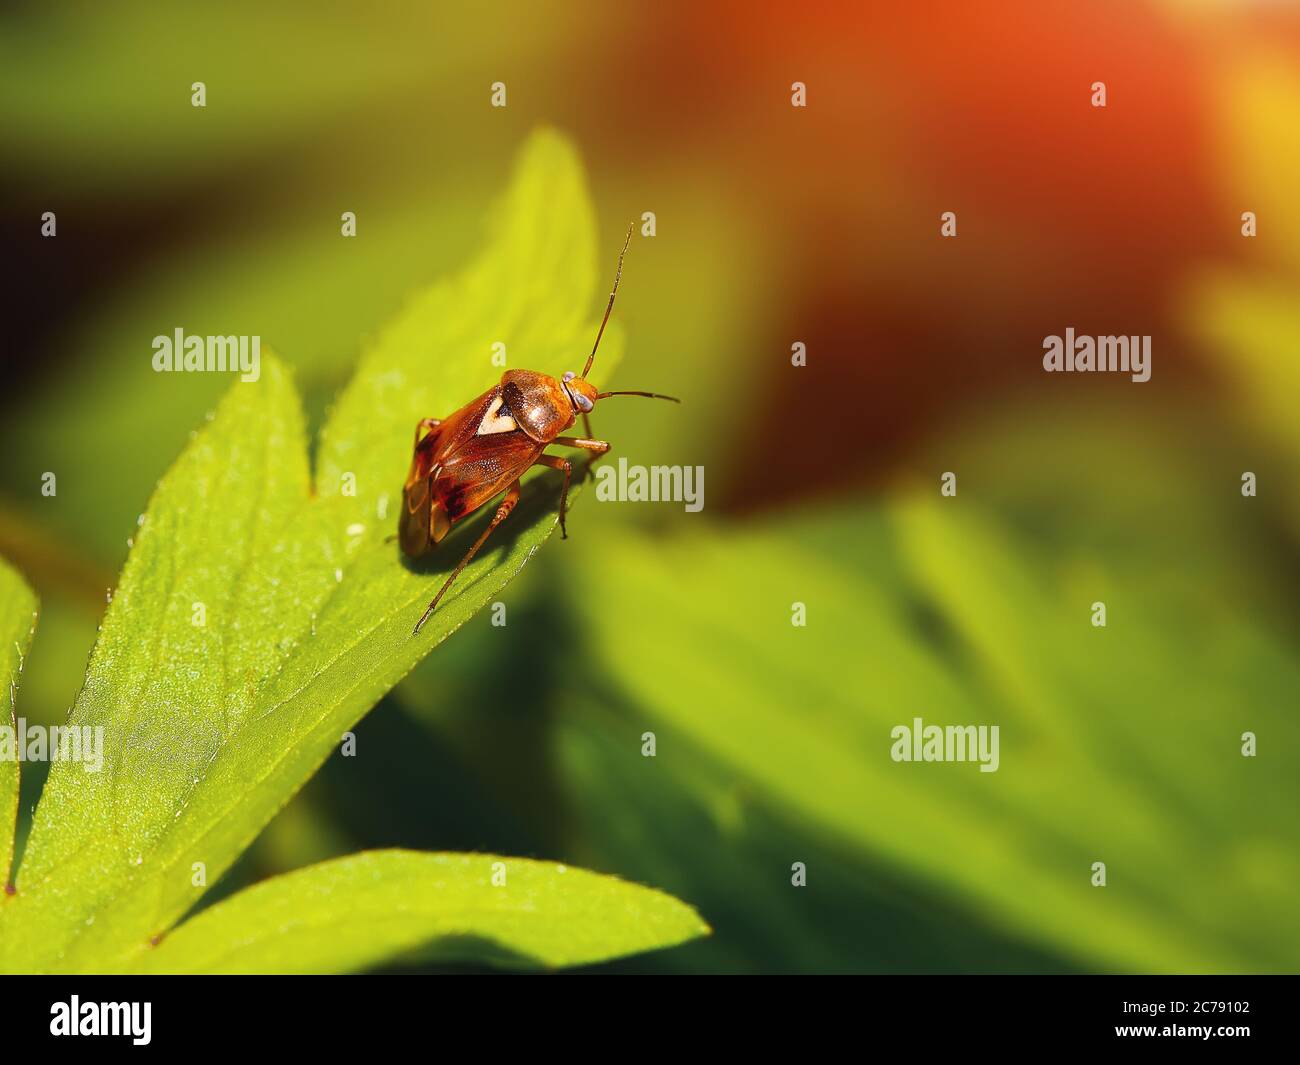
<point x="17" y="620"/>
<point x="259" y="617"/>
<point x="355" y="912"/>
<point x="938" y="610"/>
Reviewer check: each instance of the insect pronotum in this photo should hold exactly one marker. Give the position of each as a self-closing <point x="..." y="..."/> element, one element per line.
<point x="466" y="459"/>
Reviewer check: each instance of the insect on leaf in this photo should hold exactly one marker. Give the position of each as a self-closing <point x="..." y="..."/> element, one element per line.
<point x="257" y="620"/>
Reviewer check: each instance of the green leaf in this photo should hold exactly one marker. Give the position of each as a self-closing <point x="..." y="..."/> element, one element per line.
<point x="353" y="913"/>
<point x="257" y="620"/>
<point x="17" y="622"/>
<point x="1119" y="744"/>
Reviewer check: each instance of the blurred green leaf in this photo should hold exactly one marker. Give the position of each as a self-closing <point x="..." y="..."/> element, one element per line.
<point x="352" y="913"/>
<point x="1112" y="748"/>
<point x="696" y="828"/>
<point x="257" y="620"/>
<point x="569" y="765"/>
<point x="17" y="622"/>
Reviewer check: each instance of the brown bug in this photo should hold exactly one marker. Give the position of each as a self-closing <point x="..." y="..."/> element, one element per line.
<point x="466" y="459"/>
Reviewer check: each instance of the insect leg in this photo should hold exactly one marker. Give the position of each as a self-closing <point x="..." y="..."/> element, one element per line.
<point x="425" y="423"/>
<point x="597" y="447"/>
<point x="565" y="467"/>
<point x="503" y="512"/>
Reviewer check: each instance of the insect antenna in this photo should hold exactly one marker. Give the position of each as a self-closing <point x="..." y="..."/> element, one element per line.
<point x="648" y="395"/>
<point x="609" y="306"/>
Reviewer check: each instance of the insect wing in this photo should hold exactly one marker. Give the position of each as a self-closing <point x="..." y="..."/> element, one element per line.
<point x="481" y="468"/>
<point x="480" y="451"/>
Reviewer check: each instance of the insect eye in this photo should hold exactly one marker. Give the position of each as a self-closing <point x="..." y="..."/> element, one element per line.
<point x="569" y="375"/>
<point x="584" y="404"/>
